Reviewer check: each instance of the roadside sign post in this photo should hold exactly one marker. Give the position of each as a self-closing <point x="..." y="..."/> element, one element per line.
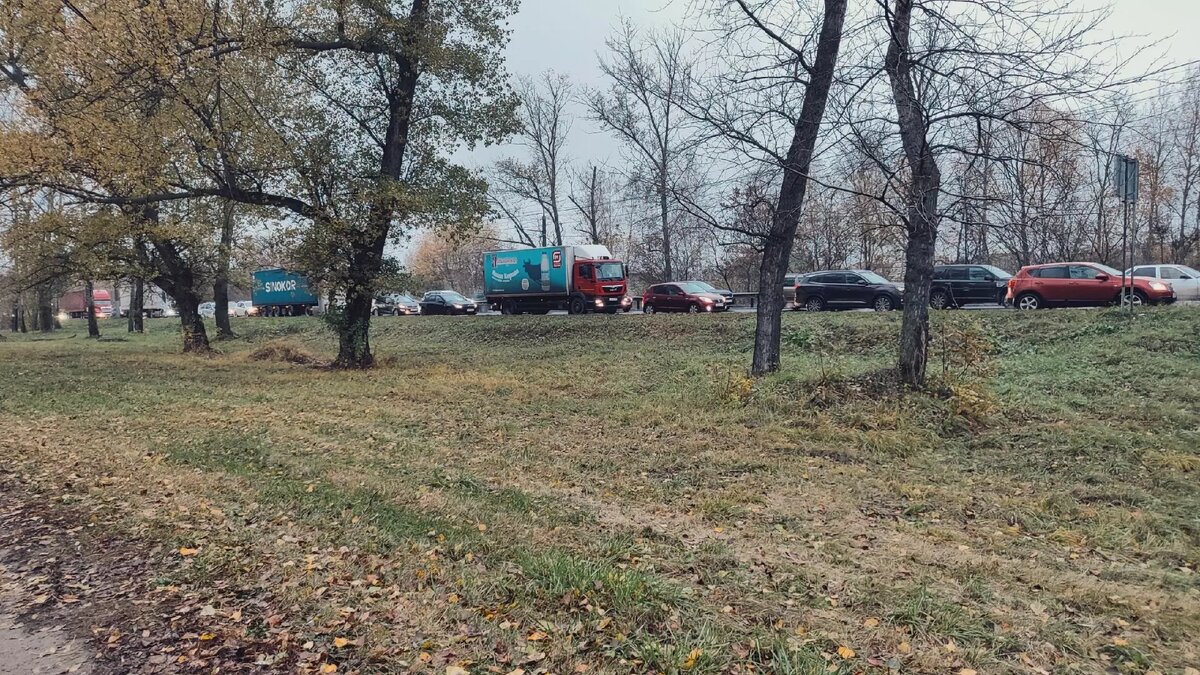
<point x="1125" y="174"/>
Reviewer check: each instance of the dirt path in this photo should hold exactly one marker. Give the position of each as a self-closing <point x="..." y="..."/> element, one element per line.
<point x="25" y="650"/>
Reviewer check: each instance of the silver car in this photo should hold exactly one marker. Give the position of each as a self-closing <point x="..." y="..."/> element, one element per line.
<point x="1184" y="280"/>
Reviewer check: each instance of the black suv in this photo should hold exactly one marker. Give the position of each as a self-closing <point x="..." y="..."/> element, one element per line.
<point x="847" y="289"/>
<point x="957" y="285"/>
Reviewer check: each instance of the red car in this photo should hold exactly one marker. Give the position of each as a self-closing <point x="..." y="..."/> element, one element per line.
<point x="1079" y="284"/>
<point x="683" y="296"/>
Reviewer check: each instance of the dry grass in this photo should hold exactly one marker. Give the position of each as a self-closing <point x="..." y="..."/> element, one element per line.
<point x="612" y="488"/>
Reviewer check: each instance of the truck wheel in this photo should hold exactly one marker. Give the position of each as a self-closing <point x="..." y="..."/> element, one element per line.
<point x="577" y="305"/>
<point x="508" y="308"/>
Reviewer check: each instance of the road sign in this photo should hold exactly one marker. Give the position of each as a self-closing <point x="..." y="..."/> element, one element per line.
<point x="1125" y="177"/>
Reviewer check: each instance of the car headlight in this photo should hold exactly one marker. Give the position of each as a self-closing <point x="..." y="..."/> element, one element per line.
<point x="626" y="300"/>
<point x="708" y="301"/>
<point x="458" y="307"/>
<point x="1159" y="286"/>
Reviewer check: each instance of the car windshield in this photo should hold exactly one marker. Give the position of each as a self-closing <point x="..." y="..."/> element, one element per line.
<point x="1107" y="270"/>
<point x="872" y="277"/>
<point x="610" y="271"/>
<point x="405" y="299"/>
<point x="451" y="296"/>
<point x="693" y="287"/>
<point x="1185" y="268"/>
<point x="997" y="272"/>
<point x="708" y="288"/>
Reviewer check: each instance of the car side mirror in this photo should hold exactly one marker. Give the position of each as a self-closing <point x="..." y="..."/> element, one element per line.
<point x="1101" y="277"/>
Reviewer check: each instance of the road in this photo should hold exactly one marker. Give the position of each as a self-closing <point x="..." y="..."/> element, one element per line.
<point x="745" y="309"/>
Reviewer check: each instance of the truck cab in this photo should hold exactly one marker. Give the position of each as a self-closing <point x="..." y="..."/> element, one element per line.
<point x="602" y="283"/>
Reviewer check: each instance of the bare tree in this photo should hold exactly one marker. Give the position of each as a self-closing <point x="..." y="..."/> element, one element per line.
<point x="649" y="78"/>
<point x="753" y="106"/>
<point x="544" y="126"/>
<point x="950" y="64"/>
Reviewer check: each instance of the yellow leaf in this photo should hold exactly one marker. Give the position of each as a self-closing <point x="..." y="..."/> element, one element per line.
<point x="329" y="668"/>
<point x="340" y="642"/>
<point x="207" y="636"/>
<point x="453" y="598"/>
<point x="1120" y="642"/>
<point x="537" y="635"/>
<point x="482" y="527"/>
<point x="185" y="551"/>
<point x="905" y="648"/>
<point x="967" y="671"/>
<point x="845" y="652"/>
<point x="425" y="657"/>
<point x="871" y="622"/>
<point x="455" y="670"/>
<point x="692" y="659"/>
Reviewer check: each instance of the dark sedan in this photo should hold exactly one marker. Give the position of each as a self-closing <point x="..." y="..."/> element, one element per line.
<point x="396" y="304"/>
<point x="847" y="289"/>
<point x="447" y="302"/>
<point x="958" y="285"/>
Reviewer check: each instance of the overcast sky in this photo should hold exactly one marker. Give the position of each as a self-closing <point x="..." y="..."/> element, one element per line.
<point x="567" y="35"/>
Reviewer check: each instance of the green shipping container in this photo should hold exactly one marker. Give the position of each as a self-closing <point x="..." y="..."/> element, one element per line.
<point x="528" y="272"/>
<point x="277" y="286"/>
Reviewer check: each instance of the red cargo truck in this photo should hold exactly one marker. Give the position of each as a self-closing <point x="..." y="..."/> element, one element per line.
<point x="74" y="304"/>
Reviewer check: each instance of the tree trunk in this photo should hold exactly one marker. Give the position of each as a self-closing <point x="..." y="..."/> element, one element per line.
<point x="137" y="306"/>
<point x="195" y="338"/>
<point x="918" y="277"/>
<point x="777" y="249"/>
<point x="924" y="183"/>
<point x="221" y="281"/>
<point x="45" y="309"/>
<point x="89" y="299"/>
<point x="354" y="321"/>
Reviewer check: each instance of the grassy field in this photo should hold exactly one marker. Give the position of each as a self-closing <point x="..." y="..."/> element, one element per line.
<point x="612" y="494"/>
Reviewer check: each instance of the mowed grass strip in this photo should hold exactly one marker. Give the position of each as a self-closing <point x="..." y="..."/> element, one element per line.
<point x="613" y="492"/>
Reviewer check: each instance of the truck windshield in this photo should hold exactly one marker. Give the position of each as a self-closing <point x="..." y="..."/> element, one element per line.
<point x="609" y="271"/>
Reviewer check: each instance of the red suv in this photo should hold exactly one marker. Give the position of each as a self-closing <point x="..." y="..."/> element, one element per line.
<point x="682" y="296"/>
<point x="1038" y="286"/>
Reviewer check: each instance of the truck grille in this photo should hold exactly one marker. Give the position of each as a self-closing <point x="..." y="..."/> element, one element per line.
<point x="611" y="289"/>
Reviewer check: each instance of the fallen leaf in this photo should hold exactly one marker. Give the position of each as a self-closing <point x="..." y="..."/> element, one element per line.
<point x="185" y="551"/>
<point x="207" y="636"/>
<point x="455" y="670"/>
<point x="329" y="668"/>
<point x="871" y="622"/>
<point x="905" y="648"/>
<point x="453" y="598"/>
<point x="692" y="659"/>
<point x="482" y="527"/>
<point x="967" y="671"/>
<point x="340" y="642"/>
<point x="537" y="635"/>
<point x="1120" y="642"/>
<point x="845" y="652"/>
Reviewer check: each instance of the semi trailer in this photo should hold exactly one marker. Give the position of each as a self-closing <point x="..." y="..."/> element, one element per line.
<point x="74" y="304"/>
<point x="280" y="292"/>
<point x="579" y="279"/>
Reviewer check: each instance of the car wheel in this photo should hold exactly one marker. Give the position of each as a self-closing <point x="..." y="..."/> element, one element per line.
<point x="883" y="303"/>
<point x="693" y="308"/>
<point x="814" y="304"/>
<point x="938" y="300"/>
<point x="1028" y="301"/>
<point x="1139" y="299"/>
<point x="577" y="306"/>
<point x="648" y="309"/>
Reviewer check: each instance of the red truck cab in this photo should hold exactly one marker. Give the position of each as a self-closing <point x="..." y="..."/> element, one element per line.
<point x="602" y="281"/>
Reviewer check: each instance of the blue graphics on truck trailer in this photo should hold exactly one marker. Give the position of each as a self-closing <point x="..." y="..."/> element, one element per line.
<point x="277" y="286"/>
<point x="527" y="272"/>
